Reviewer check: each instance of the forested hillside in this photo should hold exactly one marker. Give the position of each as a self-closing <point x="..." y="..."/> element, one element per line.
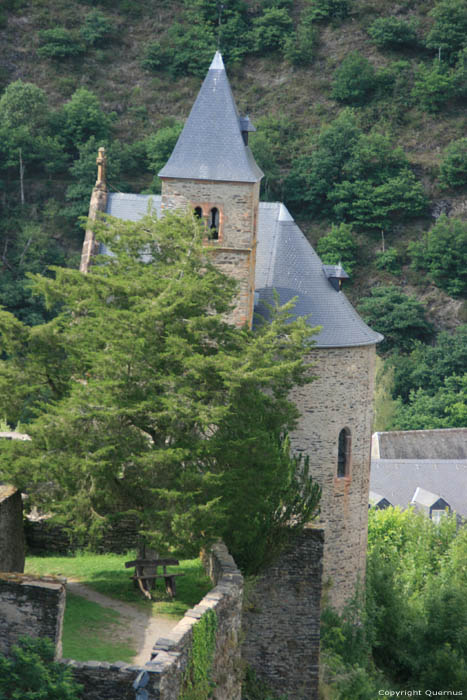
<point x="360" y="111"/>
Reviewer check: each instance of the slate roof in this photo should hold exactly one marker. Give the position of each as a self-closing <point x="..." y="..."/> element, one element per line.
<point x="442" y="443"/>
<point x="285" y="261"/>
<point x="211" y="145"/>
<point x="398" y="479"/>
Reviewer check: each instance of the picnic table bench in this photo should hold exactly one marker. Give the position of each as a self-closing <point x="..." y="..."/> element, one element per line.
<point x="146" y="574"/>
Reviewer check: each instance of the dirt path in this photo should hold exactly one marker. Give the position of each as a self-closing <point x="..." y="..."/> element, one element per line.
<point x="138" y="628"/>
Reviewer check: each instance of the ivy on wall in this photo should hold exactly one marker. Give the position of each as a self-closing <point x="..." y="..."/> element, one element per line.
<point x="197" y="682"/>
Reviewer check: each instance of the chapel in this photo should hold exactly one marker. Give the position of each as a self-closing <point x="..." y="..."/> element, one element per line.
<point x="212" y="171"/>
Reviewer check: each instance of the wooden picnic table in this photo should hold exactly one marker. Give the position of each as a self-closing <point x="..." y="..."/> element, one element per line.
<point x="147" y="573"/>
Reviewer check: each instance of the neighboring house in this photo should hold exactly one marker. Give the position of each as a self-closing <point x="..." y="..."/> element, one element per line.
<point x="213" y="173"/>
<point x="423" y="468"/>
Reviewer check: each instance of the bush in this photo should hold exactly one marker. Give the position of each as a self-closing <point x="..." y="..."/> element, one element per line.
<point x="32" y="673"/>
<point x="59" y="43"/>
<point x="443" y="254"/>
<point x="269" y="31"/>
<point x="96" y="27"/>
<point x="453" y="170"/>
<point x="449" y="31"/>
<point x="399" y="317"/>
<point x="300" y="46"/>
<point x="338" y="246"/>
<point x="190" y="49"/>
<point x="390" y="32"/>
<point x="159" y="147"/>
<point x="354" y="80"/>
<point x="389" y="260"/>
<point x="83" y="117"/>
<point x="324" y="9"/>
<point x="434" y="86"/>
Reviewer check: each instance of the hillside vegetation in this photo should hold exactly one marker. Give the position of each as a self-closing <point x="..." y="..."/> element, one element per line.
<point x="360" y="110"/>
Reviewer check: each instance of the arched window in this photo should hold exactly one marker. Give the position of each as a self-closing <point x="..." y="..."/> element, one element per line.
<point x="214" y="224"/>
<point x="344" y="452"/>
<point x="198" y="212"/>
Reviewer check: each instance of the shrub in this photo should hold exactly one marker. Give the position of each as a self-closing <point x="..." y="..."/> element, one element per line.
<point x="153" y="56"/>
<point x="389" y="260"/>
<point x="83" y="117"/>
<point x="96" y="27"/>
<point x="190" y="49"/>
<point x="269" y="31"/>
<point x="32" y="673"/>
<point x="324" y="9"/>
<point x="449" y="31"/>
<point x="338" y="246"/>
<point x="354" y="80"/>
<point x="453" y="170"/>
<point x="444" y="255"/>
<point x="391" y="32"/>
<point x="300" y="46"/>
<point x="59" y="43"/>
<point x="434" y="86"/>
<point x="159" y="147"/>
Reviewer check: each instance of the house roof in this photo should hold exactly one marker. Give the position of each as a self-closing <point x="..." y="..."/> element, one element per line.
<point x="285" y="262"/>
<point x="398" y="479"/>
<point x="211" y="145"/>
<point x="443" y="443"/>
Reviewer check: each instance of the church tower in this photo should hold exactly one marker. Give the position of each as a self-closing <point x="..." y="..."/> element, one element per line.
<point x="212" y="172"/>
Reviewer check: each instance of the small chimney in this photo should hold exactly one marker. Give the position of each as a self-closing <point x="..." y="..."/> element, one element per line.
<point x="245" y="127"/>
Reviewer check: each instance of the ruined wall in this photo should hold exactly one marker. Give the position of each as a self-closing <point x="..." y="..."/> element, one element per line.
<point x="31" y="606"/>
<point x="11" y="530"/>
<point x="281" y="620"/>
<point x="162" y="676"/>
<point x="234" y="251"/>
<point x="341" y="397"/>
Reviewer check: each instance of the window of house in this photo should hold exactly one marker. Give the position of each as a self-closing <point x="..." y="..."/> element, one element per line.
<point x="214" y="224"/>
<point x="198" y="212"/>
<point x="344" y="452"/>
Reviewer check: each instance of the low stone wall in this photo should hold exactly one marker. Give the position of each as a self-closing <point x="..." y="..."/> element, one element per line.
<point x="31" y="606"/>
<point x="162" y="676"/>
<point x="11" y="529"/>
<point x="282" y="616"/>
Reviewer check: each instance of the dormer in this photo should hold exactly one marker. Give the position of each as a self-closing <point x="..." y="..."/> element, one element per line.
<point x="336" y="275"/>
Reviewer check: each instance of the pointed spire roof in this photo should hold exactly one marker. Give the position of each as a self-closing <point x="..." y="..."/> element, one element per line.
<point x="211" y="145"/>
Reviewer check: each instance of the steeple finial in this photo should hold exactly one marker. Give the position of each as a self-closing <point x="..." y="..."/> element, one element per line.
<point x="101" y="162"/>
<point x="217" y="62"/>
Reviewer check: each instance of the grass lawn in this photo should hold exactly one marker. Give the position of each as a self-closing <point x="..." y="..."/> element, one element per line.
<point x="87" y="634"/>
<point x="106" y="574"/>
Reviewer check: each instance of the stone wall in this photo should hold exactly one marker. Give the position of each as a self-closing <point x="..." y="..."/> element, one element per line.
<point x="341" y="397"/>
<point x="281" y="619"/>
<point x="11" y="530"/>
<point x="31" y="606"/>
<point x="162" y="676"/>
<point x="234" y="251"/>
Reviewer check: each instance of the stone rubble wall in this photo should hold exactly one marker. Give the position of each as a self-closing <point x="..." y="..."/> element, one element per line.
<point x="171" y="654"/>
<point x="11" y="530"/>
<point x="31" y="606"/>
<point x="281" y="619"/>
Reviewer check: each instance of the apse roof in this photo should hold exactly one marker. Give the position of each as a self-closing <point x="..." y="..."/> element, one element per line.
<point x="211" y="145"/>
<point x="287" y="263"/>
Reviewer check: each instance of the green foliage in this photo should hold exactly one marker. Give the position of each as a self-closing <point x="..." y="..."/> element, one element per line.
<point x="354" y="81"/>
<point x="325" y="9"/>
<point x="389" y="260"/>
<point x="399" y="317"/>
<point x="96" y="28"/>
<point x="355" y="177"/>
<point x="189" y="49"/>
<point x="338" y="246"/>
<point x="159" y="147"/>
<point x="32" y="673"/>
<point x="453" y="169"/>
<point x="153" y="56"/>
<point x="300" y="45"/>
<point x="449" y="30"/>
<point x="197" y="682"/>
<point x="269" y="30"/>
<point x="413" y="609"/>
<point x="391" y="32"/>
<point x="434" y="86"/>
<point x="255" y="689"/>
<point x="84" y="118"/>
<point x="59" y="43"/>
<point x="154" y="406"/>
<point x="425" y="410"/>
<point x="443" y="253"/>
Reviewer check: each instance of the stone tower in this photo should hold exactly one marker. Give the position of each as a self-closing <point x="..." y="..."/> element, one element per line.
<point x="213" y="173"/>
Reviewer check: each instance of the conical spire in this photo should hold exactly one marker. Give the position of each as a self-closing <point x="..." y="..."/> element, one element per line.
<point x="211" y="145"/>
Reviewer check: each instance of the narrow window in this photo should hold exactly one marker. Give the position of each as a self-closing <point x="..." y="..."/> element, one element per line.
<point x="344" y="450"/>
<point x="214" y="224"/>
<point x="198" y="212"/>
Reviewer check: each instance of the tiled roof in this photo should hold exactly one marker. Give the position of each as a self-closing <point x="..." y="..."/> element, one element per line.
<point x="442" y="443"/>
<point x="398" y="479"/>
<point x="211" y="145"/>
<point x="285" y="261"/>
